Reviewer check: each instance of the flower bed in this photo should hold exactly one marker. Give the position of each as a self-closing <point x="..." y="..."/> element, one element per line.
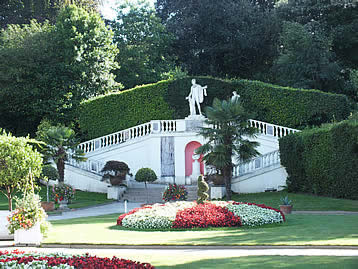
<point x="18" y="259"/>
<point x="193" y="215"/>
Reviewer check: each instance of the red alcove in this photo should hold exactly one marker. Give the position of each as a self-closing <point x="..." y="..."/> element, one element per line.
<point x="189" y="151"/>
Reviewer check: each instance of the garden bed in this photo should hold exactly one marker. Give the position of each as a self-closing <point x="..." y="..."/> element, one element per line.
<point x="187" y="215"/>
<point x="19" y="259"/>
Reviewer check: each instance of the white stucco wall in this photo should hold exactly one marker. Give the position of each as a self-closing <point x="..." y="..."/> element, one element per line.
<point x="261" y="180"/>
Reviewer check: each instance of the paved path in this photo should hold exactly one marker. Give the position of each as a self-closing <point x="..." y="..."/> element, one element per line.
<point x="116" y="207"/>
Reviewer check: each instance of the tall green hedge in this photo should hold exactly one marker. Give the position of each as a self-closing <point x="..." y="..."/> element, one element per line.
<point x="285" y="106"/>
<point x="323" y="161"/>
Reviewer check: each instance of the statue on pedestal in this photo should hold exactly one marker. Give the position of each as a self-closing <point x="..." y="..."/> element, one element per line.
<point x="196" y="97"/>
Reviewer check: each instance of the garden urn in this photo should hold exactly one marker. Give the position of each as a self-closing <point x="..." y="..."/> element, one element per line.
<point x="32" y="236"/>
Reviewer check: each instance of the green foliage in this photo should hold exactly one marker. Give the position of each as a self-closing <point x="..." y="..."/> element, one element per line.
<point x="233" y="38"/>
<point x="145" y="175"/>
<point x="49" y="172"/>
<point x="285" y="201"/>
<point x="228" y="124"/>
<point x="203" y="188"/>
<point x="116" y="167"/>
<point x="63" y="192"/>
<point x="323" y="161"/>
<point x="144" y="45"/>
<point x="61" y="145"/>
<point x="117" y="111"/>
<point x="283" y="106"/>
<point x="174" y="192"/>
<point x="20" y="164"/>
<point x="46" y="71"/>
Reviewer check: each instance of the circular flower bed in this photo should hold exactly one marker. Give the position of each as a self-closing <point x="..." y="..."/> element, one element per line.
<point x="192" y="215"/>
<point x="18" y="259"/>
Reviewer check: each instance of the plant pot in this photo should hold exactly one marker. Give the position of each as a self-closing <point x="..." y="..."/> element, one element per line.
<point x="116" y="180"/>
<point x="63" y="205"/>
<point x="286" y="209"/>
<point x="48" y="206"/>
<point x="31" y="236"/>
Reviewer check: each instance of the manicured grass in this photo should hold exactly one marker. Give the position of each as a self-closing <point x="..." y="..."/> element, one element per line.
<point x="296" y="262"/>
<point x="83" y="199"/>
<point x="298" y="230"/>
<point x="299" y="201"/>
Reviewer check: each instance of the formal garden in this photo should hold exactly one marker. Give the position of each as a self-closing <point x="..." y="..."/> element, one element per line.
<point x="69" y="74"/>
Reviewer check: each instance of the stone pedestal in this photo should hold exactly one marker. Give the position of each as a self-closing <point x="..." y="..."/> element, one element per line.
<point x="63" y="205"/>
<point x="31" y="236"/>
<point x="217" y="192"/>
<point x="115" y="192"/>
<point x="196" y="169"/>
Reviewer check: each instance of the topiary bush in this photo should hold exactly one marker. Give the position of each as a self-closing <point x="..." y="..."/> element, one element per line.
<point x="284" y="106"/>
<point x="203" y="188"/>
<point x="323" y="161"/>
<point x="145" y="175"/>
<point x="49" y="172"/>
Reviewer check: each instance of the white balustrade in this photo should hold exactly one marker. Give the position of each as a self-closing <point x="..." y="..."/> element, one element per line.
<point x="88" y="165"/>
<point x="266" y="160"/>
<point x="271" y="129"/>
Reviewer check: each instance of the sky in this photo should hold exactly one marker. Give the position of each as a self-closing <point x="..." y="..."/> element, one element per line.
<point x="109" y="6"/>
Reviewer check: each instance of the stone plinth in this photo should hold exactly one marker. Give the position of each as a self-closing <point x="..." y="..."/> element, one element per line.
<point x="4" y="232"/>
<point x="217" y="192"/>
<point x="31" y="236"/>
<point x="115" y="192"/>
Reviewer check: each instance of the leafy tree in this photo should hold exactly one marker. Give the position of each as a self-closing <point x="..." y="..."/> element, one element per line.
<point x="144" y="45"/>
<point x="306" y="59"/>
<point x="221" y="38"/>
<point x="46" y="71"/>
<point x="228" y="124"/>
<point x="145" y="175"/>
<point x="23" y="11"/>
<point x="20" y="164"/>
<point x="61" y="145"/>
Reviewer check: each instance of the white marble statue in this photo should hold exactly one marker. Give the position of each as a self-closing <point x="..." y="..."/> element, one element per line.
<point x="196" y="97"/>
<point x="235" y="96"/>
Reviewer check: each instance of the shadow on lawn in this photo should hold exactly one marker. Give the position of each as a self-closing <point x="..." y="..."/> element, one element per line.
<point x="271" y="262"/>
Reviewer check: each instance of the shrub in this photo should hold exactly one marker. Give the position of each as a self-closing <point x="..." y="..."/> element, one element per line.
<point x="50" y="172"/>
<point x="145" y="175"/>
<point x="205" y="215"/>
<point x="203" y="188"/>
<point x="175" y="192"/>
<point x="116" y="171"/>
<point x="285" y="106"/>
<point x="323" y="161"/>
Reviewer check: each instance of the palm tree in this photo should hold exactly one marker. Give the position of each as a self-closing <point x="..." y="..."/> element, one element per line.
<point x="227" y="135"/>
<point x="61" y="144"/>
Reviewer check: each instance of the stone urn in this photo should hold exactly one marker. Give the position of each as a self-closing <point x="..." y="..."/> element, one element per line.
<point x="48" y="206"/>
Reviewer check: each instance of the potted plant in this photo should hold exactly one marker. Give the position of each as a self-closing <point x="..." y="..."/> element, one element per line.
<point x="63" y="195"/>
<point x="174" y="192"/>
<point x="48" y="173"/>
<point x="286" y="206"/>
<point x="116" y="171"/>
<point x="28" y="221"/>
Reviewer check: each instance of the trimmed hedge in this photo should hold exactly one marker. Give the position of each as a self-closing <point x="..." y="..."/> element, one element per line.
<point x="323" y="161"/>
<point x="284" y="106"/>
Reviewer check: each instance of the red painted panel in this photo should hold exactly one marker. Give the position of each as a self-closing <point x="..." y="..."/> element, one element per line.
<point x="189" y="151"/>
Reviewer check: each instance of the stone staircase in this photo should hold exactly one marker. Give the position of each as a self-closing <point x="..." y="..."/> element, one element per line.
<point x="139" y="195"/>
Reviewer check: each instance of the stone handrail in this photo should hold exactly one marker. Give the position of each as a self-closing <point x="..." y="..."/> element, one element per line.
<point x="271" y="129"/>
<point x="88" y="165"/>
<point x="263" y="161"/>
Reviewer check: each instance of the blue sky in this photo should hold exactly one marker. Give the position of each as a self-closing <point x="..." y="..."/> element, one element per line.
<point x="107" y="9"/>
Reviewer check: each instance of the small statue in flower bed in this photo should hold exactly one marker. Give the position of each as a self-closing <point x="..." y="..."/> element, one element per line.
<point x="175" y="192"/>
<point x="63" y="192"/>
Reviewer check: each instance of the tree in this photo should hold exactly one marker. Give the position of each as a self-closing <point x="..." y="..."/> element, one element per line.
<point x="23" y="11"/>
<point x="306" y="59"/>
<point x="144" y="45"/>
<point x="221" y="38"/>
<point x="46" y="71"/>
<point x="20" y="164"/>
<point x="227" y="138"/>
<point x="61" y="145"/>
<point x="145" y="175"/>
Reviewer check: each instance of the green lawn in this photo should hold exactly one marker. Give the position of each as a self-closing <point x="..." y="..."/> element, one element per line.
<point x="296" y="262"/>
<point x="298" y="230"/>
<point x="83" y="199"/>
<point x="299" y="201"/>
